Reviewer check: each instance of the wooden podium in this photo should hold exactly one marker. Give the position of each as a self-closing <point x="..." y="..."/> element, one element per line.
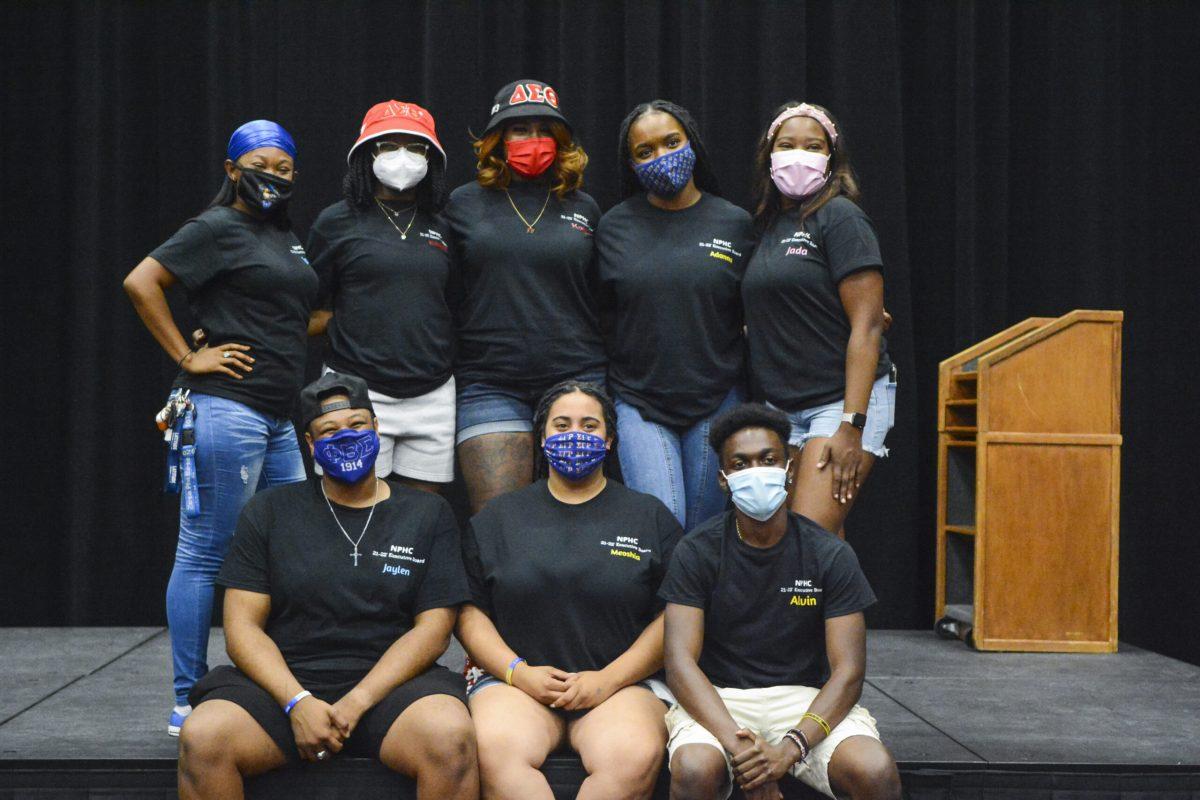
<point x="1029" y="462"/>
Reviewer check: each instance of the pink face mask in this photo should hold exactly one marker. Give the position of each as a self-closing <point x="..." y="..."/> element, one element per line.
<point x="798" y="173"/>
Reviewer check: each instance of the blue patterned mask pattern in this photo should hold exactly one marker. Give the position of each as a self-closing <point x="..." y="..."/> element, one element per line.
<point x="666" y="175"/>
<point x="348" y="455"/>
<point x="574" y="454"/>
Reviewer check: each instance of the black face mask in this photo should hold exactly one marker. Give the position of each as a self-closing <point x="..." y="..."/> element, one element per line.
<point x="266" y="193"/>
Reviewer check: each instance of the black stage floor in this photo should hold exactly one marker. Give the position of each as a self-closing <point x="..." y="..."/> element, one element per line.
<point x="83" y="714"/>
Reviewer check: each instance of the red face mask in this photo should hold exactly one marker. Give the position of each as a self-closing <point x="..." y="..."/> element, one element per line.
<point x="531" y="157"/>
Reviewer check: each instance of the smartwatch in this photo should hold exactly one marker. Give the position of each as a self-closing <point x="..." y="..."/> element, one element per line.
<point x="857" y="420"/>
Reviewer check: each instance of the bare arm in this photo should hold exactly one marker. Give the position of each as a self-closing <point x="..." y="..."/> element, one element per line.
<point x="489" y="651"/>
<point x="862" y="298"/>
<point x="684" y="638"/>
<point x="643" y="658"/>
<point x="409" y="656"/>
<point x="146" y="286"/>
<point x="315" y="724"/>
<point x="318" y="321"/>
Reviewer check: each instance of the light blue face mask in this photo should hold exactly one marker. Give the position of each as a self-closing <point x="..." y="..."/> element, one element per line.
<point x="758" y="492"/>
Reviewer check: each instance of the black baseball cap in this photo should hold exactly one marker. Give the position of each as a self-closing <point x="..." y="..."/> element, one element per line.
<point x="525" y="98"/>
<point x="312" y="397"/>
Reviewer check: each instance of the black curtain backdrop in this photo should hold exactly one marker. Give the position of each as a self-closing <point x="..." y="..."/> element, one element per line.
<point x="1017" y="158"/>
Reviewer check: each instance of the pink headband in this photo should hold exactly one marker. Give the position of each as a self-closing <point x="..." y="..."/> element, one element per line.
<point x="804" y="110"/>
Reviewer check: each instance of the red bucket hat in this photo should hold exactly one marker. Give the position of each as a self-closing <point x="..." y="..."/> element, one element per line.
<point x="396" y="117"/>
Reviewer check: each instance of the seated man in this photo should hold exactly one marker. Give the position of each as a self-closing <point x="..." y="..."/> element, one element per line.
<point x="341" y="593"/>
<point x="765" y="640"/>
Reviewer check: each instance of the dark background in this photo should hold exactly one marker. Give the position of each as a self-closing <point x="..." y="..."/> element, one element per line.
<point x="1018" y="159"/>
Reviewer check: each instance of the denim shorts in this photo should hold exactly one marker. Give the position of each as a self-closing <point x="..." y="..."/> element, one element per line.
<point x="486" y="408"/>
<point x="823" y="421"/>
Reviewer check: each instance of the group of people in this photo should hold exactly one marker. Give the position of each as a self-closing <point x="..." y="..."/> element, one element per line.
<point x="494" y="325"/>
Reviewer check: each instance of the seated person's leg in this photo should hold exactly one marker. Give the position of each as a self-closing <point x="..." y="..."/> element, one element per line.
<point x="621" y="744"/>
<point x="699" y="767"/>
<point x="433" y="741"/>
<point x="861" y="768"/>
<point x="514" y="734"/>
<point x="219" y="745"/>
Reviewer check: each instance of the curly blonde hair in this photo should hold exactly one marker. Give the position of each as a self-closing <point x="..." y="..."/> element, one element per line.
<point x="569" y="164"/>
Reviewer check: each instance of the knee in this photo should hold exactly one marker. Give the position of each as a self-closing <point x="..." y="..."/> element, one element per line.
<point x="203" y="743"/>
<point x="874" y="777"/>
<point x="450" y="746"/>
<point x="697" y="775"/>
<point x="634" y="764"/>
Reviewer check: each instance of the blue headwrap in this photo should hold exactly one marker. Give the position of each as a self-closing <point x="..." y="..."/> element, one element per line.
<point x="259" y="133"/>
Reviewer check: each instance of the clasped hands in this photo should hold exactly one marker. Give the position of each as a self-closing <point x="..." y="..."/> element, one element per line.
<point x="318" y="726"/>
<point x="569" y="691"/>
<point x="759" y="765"/>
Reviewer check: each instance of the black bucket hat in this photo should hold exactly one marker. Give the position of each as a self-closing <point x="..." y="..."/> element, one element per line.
<point x="525" y="98"/>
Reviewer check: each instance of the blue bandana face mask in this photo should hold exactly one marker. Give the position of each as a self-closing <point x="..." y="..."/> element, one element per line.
<point x="574" y="454"/>
<point x="348" y="455"/>
<point x="666" y="175"/>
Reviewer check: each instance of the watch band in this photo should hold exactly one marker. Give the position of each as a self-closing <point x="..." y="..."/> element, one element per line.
<point x="857" y="420"/>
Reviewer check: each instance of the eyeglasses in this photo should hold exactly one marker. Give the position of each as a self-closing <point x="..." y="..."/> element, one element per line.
<point x="416" y="148"/>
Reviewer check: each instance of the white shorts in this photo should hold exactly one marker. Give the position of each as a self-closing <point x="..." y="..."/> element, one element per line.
<point x="416" y="434"/>
<point x="771" y="712"/>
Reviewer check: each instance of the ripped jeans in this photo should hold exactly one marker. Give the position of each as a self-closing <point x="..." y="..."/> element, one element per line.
<point x="238" y="451"/>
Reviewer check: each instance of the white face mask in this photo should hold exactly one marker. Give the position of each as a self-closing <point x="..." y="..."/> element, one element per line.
<point x="758" y="492"/>
<point x="400" y="170"/>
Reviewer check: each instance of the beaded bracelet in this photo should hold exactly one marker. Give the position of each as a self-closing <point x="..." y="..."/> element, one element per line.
<point x="512" y="666"/>
<point x="292" y="703"/>
<point x="795" y="737"/>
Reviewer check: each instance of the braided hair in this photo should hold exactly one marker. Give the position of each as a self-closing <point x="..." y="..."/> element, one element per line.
<point x="358" y="186"/>
<point x="541" y="416"/>
<point x="706" y="179"/>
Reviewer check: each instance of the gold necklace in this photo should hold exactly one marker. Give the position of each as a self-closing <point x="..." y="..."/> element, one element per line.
<point x="528" y="225"/>
<point x="388" y="216"/>
<point x="737" y="526"/>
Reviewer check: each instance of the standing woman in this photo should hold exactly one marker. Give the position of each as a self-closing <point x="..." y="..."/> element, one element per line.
<point x="813" y="295"/>
<point x="383" y="260"/>
<point x="671" y="260"/>
<point x="523" y="237"/>
<point x="563" y="614"/>
<point x="249" y="284"/>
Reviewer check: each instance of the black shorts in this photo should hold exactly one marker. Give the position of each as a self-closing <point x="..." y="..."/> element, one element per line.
<point x="229" y="683"/>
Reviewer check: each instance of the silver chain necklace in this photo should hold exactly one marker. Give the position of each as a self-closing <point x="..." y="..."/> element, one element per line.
<point x="374" y="503"/>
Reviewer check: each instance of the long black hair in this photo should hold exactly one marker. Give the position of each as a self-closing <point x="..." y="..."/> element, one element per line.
<point x="541" y="415"/>
<point x="358" y="186"/>
<point x="768" y="201"/>
<point x="706" y="180"/>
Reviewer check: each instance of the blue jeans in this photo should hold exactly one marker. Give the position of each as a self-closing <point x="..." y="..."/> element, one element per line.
<point x="676" y="465"/>
<point x="238" y="451"/>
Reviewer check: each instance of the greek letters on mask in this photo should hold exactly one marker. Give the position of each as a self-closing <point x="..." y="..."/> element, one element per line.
<point x="667" y="175"/>
<point x="349" y="455"/>
<point x="574" y="454"/>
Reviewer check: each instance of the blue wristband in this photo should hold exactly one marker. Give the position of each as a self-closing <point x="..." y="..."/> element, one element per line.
<point x="292" y="703"/>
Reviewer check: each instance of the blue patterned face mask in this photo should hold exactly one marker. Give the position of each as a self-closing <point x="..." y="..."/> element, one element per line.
<point x="574" y="454"/>
<point x="348" y="455"/>
<point x="666" y="175"/>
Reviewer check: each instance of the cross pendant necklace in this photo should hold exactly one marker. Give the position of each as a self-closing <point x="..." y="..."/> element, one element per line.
<point x="354" y="542"/>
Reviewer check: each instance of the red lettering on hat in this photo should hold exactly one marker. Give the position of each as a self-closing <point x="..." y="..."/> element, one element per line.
<point x="518" y="95"/>
<point x="536" y="93"/>
<point x="551" y="97"/>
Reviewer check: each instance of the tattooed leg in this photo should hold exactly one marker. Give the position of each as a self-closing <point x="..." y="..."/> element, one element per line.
<point x="495" y="463"/>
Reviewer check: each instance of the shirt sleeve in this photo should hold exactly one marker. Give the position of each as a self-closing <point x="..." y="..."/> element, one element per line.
<point x="246" y="566"/>
<point x="846" y="587"/>
<point x="191" y="255"/>
<point x="445" y="581"/>
<point x="669" y="534"/>
<point x="850" y="241"/>
<point x="473" y="563"/>
<point x="689" y="580"/>
<point x="321" y="255"/>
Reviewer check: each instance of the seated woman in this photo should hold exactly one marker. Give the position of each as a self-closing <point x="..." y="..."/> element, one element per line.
<point x="341" y="593"/>
<point x="563" y="614"/>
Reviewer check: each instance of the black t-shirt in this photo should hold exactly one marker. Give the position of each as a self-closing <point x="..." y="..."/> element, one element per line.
<point x="528" y="317"/>
<point x="671" y="287"/>
<point x="765" y="609"/>
<point x="392" y="324"/>
<point x="247" y="282"/>
<point x="330" y="618"/>
<point x="570" y="586"/>
<point x="795" y="322"/>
